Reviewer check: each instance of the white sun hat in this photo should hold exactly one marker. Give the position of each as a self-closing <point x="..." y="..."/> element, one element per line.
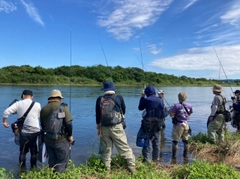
<point x="161" y="92"/>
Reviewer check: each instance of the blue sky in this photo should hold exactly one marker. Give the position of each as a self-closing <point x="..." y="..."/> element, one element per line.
<point x="176" y="37"/>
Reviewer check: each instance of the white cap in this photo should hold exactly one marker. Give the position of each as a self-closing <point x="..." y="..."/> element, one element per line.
<point x="161" y="91"/>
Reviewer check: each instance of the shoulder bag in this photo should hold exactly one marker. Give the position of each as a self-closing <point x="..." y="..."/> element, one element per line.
<point x="18" y="124"/>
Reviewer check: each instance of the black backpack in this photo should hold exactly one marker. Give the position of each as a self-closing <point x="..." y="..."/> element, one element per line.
<point x="54" y="126"/>
<point x="109" y="107"/>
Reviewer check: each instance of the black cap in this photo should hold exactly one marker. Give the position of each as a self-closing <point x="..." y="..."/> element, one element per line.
<point x="237" y="91"/>
<point x="27" y="92"/>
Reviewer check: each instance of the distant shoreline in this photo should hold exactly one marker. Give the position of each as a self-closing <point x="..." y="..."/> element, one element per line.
<point x="116" y="84"/>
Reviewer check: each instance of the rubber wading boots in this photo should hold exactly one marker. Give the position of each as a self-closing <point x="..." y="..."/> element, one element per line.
<point x="185" y="150"/>
<point x="174" y="149"/>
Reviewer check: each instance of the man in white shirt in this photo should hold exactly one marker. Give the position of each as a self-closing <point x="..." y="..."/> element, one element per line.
<point x="30" y="129"/>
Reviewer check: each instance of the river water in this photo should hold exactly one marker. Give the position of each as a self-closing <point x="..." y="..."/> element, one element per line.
<point x="81" y="101"/>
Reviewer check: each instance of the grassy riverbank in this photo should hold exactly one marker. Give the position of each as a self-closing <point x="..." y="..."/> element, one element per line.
<point x="212" y="162"/>
<point x="219" y="161"/>
<point x="94" y="169"/>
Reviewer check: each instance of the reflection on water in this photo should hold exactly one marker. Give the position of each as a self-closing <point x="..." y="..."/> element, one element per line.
<point x="81" y="101"/>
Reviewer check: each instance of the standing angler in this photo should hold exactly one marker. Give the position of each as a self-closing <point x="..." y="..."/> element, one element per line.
<point x="180" y="113"/>
<point x="216" y="118"/>
<point x="57" y="136"/>
<point x="110" y="109"/>
<point x="152" y="122"/>
<point x="30" y="129"/>
<point x="236" y="108"/>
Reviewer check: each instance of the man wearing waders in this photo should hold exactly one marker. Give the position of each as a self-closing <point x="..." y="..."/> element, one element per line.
<point x="216" y="118"/>
<point x="110" y="109"/>
<point x="152" y="122"/>
<point x="180" y="113"/>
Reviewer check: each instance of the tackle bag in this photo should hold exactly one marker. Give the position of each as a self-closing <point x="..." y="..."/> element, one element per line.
<point x="151" y="125"/>
<point x="18" y="125"/>
<point x="142" y="138"/>
<point x="54" y="126"/>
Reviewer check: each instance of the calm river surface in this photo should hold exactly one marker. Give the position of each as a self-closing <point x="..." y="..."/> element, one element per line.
<point x="81" y="101"/>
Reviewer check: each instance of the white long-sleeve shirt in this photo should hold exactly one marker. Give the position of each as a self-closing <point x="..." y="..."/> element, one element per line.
<point x="31" y="123"/>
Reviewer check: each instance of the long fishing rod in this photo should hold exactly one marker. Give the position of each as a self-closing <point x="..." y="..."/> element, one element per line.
<point x="70" y="86"/>
<point x="105" y="59"/>
<point x="222" y="67"/>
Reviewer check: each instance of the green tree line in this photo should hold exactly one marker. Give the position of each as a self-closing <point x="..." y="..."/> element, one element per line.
<point x="94" y="75"/>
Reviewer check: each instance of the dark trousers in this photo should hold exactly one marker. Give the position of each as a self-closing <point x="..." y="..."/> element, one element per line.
<point x="155" y="142"/>
<point x="28" y="142"/>
<point x="58" y="153"/>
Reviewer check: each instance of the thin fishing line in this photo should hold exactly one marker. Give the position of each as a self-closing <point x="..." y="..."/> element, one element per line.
<point x="219" y="75"/>
<point x="70" y="55"/>
<point x="140" y="49"/>
<point x="167" y="102"/>
<point x="222" y="67"/>
<point x="105" y="59"/>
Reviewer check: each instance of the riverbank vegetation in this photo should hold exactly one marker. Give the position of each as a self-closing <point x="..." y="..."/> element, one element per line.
<point x="96" y="75"/>
<point x="212" y="161"/>
<point x="94" y="169"/>
<point x="223" y="152"/>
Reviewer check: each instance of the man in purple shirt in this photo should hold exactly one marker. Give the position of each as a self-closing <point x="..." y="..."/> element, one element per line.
<point x="180" y="113"/>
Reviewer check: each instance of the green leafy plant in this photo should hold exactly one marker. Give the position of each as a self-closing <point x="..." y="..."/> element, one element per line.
<point x="204" y="170"/>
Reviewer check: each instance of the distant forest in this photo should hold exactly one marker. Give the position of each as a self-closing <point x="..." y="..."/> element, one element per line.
<point x="96" y="75"/>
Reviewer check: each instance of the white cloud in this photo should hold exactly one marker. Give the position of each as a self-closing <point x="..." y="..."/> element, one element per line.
<point x="190" y="3"/>
<point x="153" y="49"/>
<point x="33" y="12"/>
<point x="203" y="59"/>
<point x="129" y="15"/>
<point x="7" y="6"/>
<point x="232" y="16"/>
<point x="221" y="26"/>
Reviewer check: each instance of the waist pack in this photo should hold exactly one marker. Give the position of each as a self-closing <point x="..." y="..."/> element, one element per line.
<point x="151" y="125"/>
<point x="175" y="120"/>
<point x="227" y="115"/>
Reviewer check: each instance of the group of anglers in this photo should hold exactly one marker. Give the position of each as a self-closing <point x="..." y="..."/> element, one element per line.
<point x="154" y="108"/>
<point x="111" y="130"/>
<point x="28" y="128"/>
<point x="110" y="109"/>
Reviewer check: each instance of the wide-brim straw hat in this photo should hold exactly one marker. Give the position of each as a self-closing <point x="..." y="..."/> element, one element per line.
<point x="55" y="94"/>
<point x="217" y="88"/>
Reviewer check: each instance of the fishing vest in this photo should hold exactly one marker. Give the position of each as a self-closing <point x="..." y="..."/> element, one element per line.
<point x="221" y="107"/>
